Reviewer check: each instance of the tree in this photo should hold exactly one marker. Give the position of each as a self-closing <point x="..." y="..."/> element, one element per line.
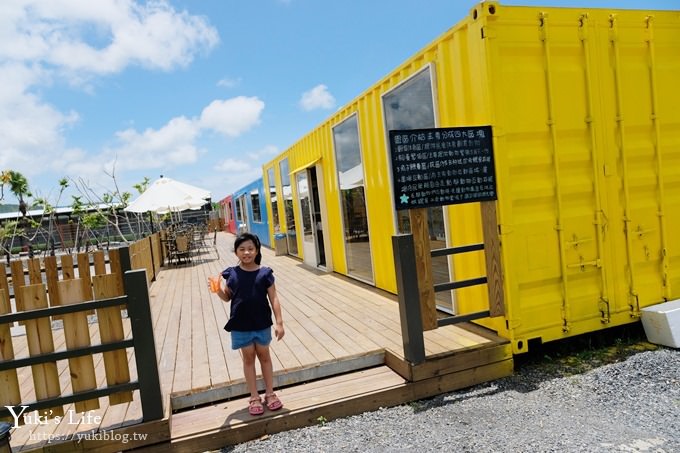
<point x="114" y="201"/>
<point x="50" y="212"/>
<point x="8" y="231"/>
<point x="18" y="185"/>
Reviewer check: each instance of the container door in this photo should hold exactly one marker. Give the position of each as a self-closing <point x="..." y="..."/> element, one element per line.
<point x="635" y="166"/>
<point x="551" y="181"/>
<point x="588" y="169"/>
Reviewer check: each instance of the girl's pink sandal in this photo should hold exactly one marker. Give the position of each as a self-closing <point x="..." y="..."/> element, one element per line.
<point x="255" y="406"/>
<point x="273" y="402"/>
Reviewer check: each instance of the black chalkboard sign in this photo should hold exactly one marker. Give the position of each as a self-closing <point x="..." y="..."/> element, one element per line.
<point x="442" y="166"/>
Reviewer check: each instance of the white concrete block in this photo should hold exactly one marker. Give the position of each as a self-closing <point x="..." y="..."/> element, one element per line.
<point x="662" y="323"/>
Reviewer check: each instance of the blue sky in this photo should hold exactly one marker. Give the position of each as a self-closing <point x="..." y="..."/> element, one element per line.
<point x="202" y="91"/>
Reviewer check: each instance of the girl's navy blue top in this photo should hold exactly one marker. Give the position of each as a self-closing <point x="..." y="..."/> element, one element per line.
<point x="250" y="308"/>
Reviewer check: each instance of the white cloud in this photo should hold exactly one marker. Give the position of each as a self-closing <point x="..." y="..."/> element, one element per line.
<point x="232" y="117"/>
<point x="175" y="143"/>
<point x="265" y="153"/>
<point x="101" y="37"/>
<point x="29" y="128"/>
<point x="317" y="98"/>
<point x="171" y="145"/>
<point x="234" y="165"/>
<point x="228" y="83"/>
<point x="237" y="173"/>
<point x="43" y="43"/>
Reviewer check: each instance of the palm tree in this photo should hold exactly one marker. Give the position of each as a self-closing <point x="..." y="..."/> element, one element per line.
<point x="5" y="178"/>
<point x="18" y="185"/>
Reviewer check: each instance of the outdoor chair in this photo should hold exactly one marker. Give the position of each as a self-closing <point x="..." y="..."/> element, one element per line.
<point x="183" y="248"/>
<point x="199" y="240"/>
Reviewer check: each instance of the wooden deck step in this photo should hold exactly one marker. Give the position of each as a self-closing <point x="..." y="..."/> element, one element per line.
<point x="283" y="378"/>
<point x="229" y="423"/>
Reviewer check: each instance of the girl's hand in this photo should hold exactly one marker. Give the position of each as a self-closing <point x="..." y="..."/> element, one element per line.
<point x="279" y="331"/>
<point x="214" y="283"/>
<point x="224" y="293"/>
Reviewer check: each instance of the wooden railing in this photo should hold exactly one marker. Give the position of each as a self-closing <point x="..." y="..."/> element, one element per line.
<point x="409" y="294"/>
<point x="53" y="290"/>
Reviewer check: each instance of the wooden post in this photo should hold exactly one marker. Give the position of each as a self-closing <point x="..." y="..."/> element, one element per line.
<point x="77" y="335"/>
<point x="119" y="261"/>
<point x="83" y="260"/>
<point x="67" y="270"/>
<point x="99" y="262"/>
<point x="151" y="262"/>
<point x="40" y="341"/>
<point x="408" y="292"/>
<point x="34" y="271"/>
<point x="421" y="242"/>
<point x="152" y="268"/>
<point x="125" y="262"/>
<point x="492" y="254"/>
<point x="52" y="277"/>
<point x="4" y="284"/>
<point x="139" y="310"/>
<point x="84" y="274"/>
<point x="11" y="395"/>
<point x="111" y="330"/>
<point x="18" y="281"/>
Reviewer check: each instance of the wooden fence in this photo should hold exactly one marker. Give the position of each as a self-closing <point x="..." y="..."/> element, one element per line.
<point x="148" y="254"/>
<point x="35" y="293"/>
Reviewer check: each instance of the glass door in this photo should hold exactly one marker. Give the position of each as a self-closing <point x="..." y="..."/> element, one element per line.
<point x="241" y="214"/>
<point x="353" y="199"/>
<point x="291" y="234"/>
<point x="308" y="242"/>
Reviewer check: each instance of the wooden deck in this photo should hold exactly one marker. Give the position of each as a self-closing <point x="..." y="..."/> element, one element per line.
<point x="342" y="354"/>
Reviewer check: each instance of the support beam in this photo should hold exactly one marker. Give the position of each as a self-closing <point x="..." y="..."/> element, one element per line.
<point x="421" y="241"/>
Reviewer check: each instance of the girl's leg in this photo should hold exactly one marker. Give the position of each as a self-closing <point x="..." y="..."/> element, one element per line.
<point x="270" y="398"/>
<point x="265" y="359"/>
<point x="248" y="355"/>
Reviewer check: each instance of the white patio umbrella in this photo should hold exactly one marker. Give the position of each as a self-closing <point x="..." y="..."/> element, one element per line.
<point x="167" y="195"/>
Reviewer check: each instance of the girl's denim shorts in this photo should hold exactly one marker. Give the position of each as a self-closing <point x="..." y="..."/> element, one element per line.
<point x="246" y="338"/>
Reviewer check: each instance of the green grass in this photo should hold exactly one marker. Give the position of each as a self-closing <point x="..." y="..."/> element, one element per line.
<point x="585" y="352"/>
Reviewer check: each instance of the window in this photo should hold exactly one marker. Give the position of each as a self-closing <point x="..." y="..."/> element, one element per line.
<point x="411" y="106"/>
<point x="352" y="198"/>
<point x="305" y="208"/>
<point x="228" y="214"/>
<point x="271" y="181"/>
<point x="289" y="212"/>
<point x="239" y="214"/>
<point x="255" y="203"/>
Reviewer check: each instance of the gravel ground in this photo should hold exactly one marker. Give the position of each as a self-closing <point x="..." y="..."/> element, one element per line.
<point x="608" y="400"/>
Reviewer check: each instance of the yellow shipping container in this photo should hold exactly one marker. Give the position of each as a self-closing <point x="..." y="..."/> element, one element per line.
<point x="583" y="106"/>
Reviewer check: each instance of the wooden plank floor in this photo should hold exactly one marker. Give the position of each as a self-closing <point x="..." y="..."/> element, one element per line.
<point x="336" y="328"/>
<point x="36" y="434"/>
<point x="333" y="324"/>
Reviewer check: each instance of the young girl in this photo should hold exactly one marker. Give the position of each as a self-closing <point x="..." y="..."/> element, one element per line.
<point x="250" y="319"/>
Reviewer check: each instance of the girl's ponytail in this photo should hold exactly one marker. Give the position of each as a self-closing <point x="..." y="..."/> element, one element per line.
<point x="258" y="246"/>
